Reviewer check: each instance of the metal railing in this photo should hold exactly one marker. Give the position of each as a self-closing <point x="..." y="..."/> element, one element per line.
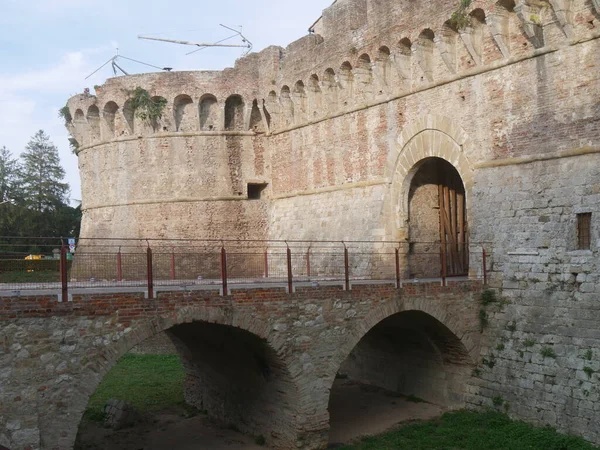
<point x="46" y="263"/>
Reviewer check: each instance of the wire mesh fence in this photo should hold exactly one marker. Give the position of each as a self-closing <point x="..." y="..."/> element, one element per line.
<point x="49" y="263"/>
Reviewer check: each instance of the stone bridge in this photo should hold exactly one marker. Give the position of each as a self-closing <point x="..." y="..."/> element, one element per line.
<point x="259" y="358"/>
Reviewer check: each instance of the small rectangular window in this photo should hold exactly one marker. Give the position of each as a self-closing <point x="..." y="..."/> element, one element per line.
<point x="584" y="227"/>
<point x="255" y="190"/>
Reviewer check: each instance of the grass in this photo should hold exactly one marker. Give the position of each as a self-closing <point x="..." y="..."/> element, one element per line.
<point x="36" y="276"/>
<point x="149" y="382"/>
<point x="468" y="430"/>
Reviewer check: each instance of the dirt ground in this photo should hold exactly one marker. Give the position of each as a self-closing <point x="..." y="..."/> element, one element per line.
<point x="355" y="410"/>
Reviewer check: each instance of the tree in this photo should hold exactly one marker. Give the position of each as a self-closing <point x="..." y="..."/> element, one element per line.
<point x="41" y="175"/>
<point x="8" y="175"/>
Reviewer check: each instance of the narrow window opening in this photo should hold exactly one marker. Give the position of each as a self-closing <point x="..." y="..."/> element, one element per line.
<point x="255" y="190"/>
<point x="584" y="225"/>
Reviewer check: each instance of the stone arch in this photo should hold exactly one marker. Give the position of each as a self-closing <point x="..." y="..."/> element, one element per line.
<point x="383" y="65"/>
<point x="330" y="90"/>
<point x="429" y="136"/>
<point x="499" y="23"/>
<point x="256" y="120"/>
<point x="446" y="40"/>
<point x="403" y="58"/>
<point x="234" y="113"/>
<point x="183" y="113"/>
<point x="346" y="82"/>
<point x="287" y="105"/>
<point x="129" y="115"/>
<point x="476" y="32"/>
<point x="363" y="73"/>
<point x="299" y="96"/>
<point x="315" y="95"/>
<point x="427" y="351"/>
<point x="159" y="123"/>
<point x="79" y="116"/>
<point x="110" y="113"/>
<point x="93" y="120"/>
<point x="208" y="112"/>
<point x="424" y="52"/>
<point x="99" y="365"/>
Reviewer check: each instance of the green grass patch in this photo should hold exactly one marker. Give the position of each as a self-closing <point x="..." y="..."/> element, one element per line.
<point x="36" y="276"/>
<point x="468" y="430"/>
<point x="149" y="382"/>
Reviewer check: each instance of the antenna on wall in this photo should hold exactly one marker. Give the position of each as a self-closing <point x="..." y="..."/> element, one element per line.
<point x="202" y="45"/>
<point x="115" y="66"/>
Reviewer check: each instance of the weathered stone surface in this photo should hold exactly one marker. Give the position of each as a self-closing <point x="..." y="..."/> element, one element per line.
<point x="260" y="358"/>
<point x="338" y="123"/>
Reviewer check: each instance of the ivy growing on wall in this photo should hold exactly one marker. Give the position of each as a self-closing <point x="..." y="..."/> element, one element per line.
<point x="65" y="114"/>
<point x="147" y="108"/>
<point x="460" y="18"/>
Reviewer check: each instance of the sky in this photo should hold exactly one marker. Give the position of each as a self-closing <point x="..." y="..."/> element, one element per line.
<point x="49" y="47"/>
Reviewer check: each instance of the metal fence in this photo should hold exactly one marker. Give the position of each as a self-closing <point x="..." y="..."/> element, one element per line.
<point x="47" y="263"/>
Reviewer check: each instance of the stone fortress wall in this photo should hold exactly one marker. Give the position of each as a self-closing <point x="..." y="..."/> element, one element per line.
<point x="337" y="124"/>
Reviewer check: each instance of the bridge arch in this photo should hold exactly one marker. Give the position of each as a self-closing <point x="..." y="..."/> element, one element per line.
<point x="243" y="382"/>
<point x="410" y="347"/>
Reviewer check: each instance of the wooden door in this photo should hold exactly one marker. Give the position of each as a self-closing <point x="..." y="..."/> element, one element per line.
<point x="453" y="224"/>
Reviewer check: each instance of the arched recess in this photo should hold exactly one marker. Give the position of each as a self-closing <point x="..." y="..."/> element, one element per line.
<point x="299" y="96"/>
<point x="446" y="41"/>
<point x="403" y="59"/>
<point x="93" y="119"/>
<point x="160" y="123"/>
<point x="408" y="348"/>
<point x="315" y="95"/>
<point x="472" y="35"/>
<point x="183" y="113"/>
<point x="383" y="66"/>
<point x="424" y="52"/>
<point x="346" y="82"/>
<point x="234" y="369"/>
<point x="330" y="90"/>
<point x="287" y="106"/>
<point x="429" y="136"/>
<point x="208" y="112"/>
<point x="256" y="120"/>
<point x="499" y="23"/>
<point x="109" y="113"/>
<point x="234" y="113"/>
<point x="129" y="115"/>
<point x="363" y="71"/>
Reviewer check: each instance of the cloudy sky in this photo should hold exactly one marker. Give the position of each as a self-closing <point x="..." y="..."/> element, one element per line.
<point x="48" y="47"/>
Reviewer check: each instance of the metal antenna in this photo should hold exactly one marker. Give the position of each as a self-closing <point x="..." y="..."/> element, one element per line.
<point x="115" y="66"/>
<point x="245" y="42"/>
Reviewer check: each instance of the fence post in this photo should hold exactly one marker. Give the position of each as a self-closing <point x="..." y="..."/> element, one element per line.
<point x="63" y="273"/>
<point x="172" y="264"/>
<point x="266" y="264"/>
<point x="289" y="271"/>
<point x="346" y="269"/>
<point x="149" y="270"/>
<point x="397" y="254"/>
<point x="484" y="261"/>
<point x="224" y="270"/>
<point x="443" y="258"/>
<point x="119" y="266"/>
<point x="308" y="262"/>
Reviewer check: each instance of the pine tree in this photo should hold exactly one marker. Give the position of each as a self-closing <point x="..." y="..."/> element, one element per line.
<point x="8" y="175"/>
<point x="41" y="175"/>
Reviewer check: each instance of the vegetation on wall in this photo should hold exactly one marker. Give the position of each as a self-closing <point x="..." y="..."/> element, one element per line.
<point x="147" y="108"/>
<point x="460" y="18"/>
<point x="65" y="114"/>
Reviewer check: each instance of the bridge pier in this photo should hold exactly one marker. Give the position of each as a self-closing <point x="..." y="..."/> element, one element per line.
<point x="261" y="359"/>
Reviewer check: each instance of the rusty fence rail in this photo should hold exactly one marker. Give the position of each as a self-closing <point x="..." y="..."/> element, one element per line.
<point x="151" y="264"/>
